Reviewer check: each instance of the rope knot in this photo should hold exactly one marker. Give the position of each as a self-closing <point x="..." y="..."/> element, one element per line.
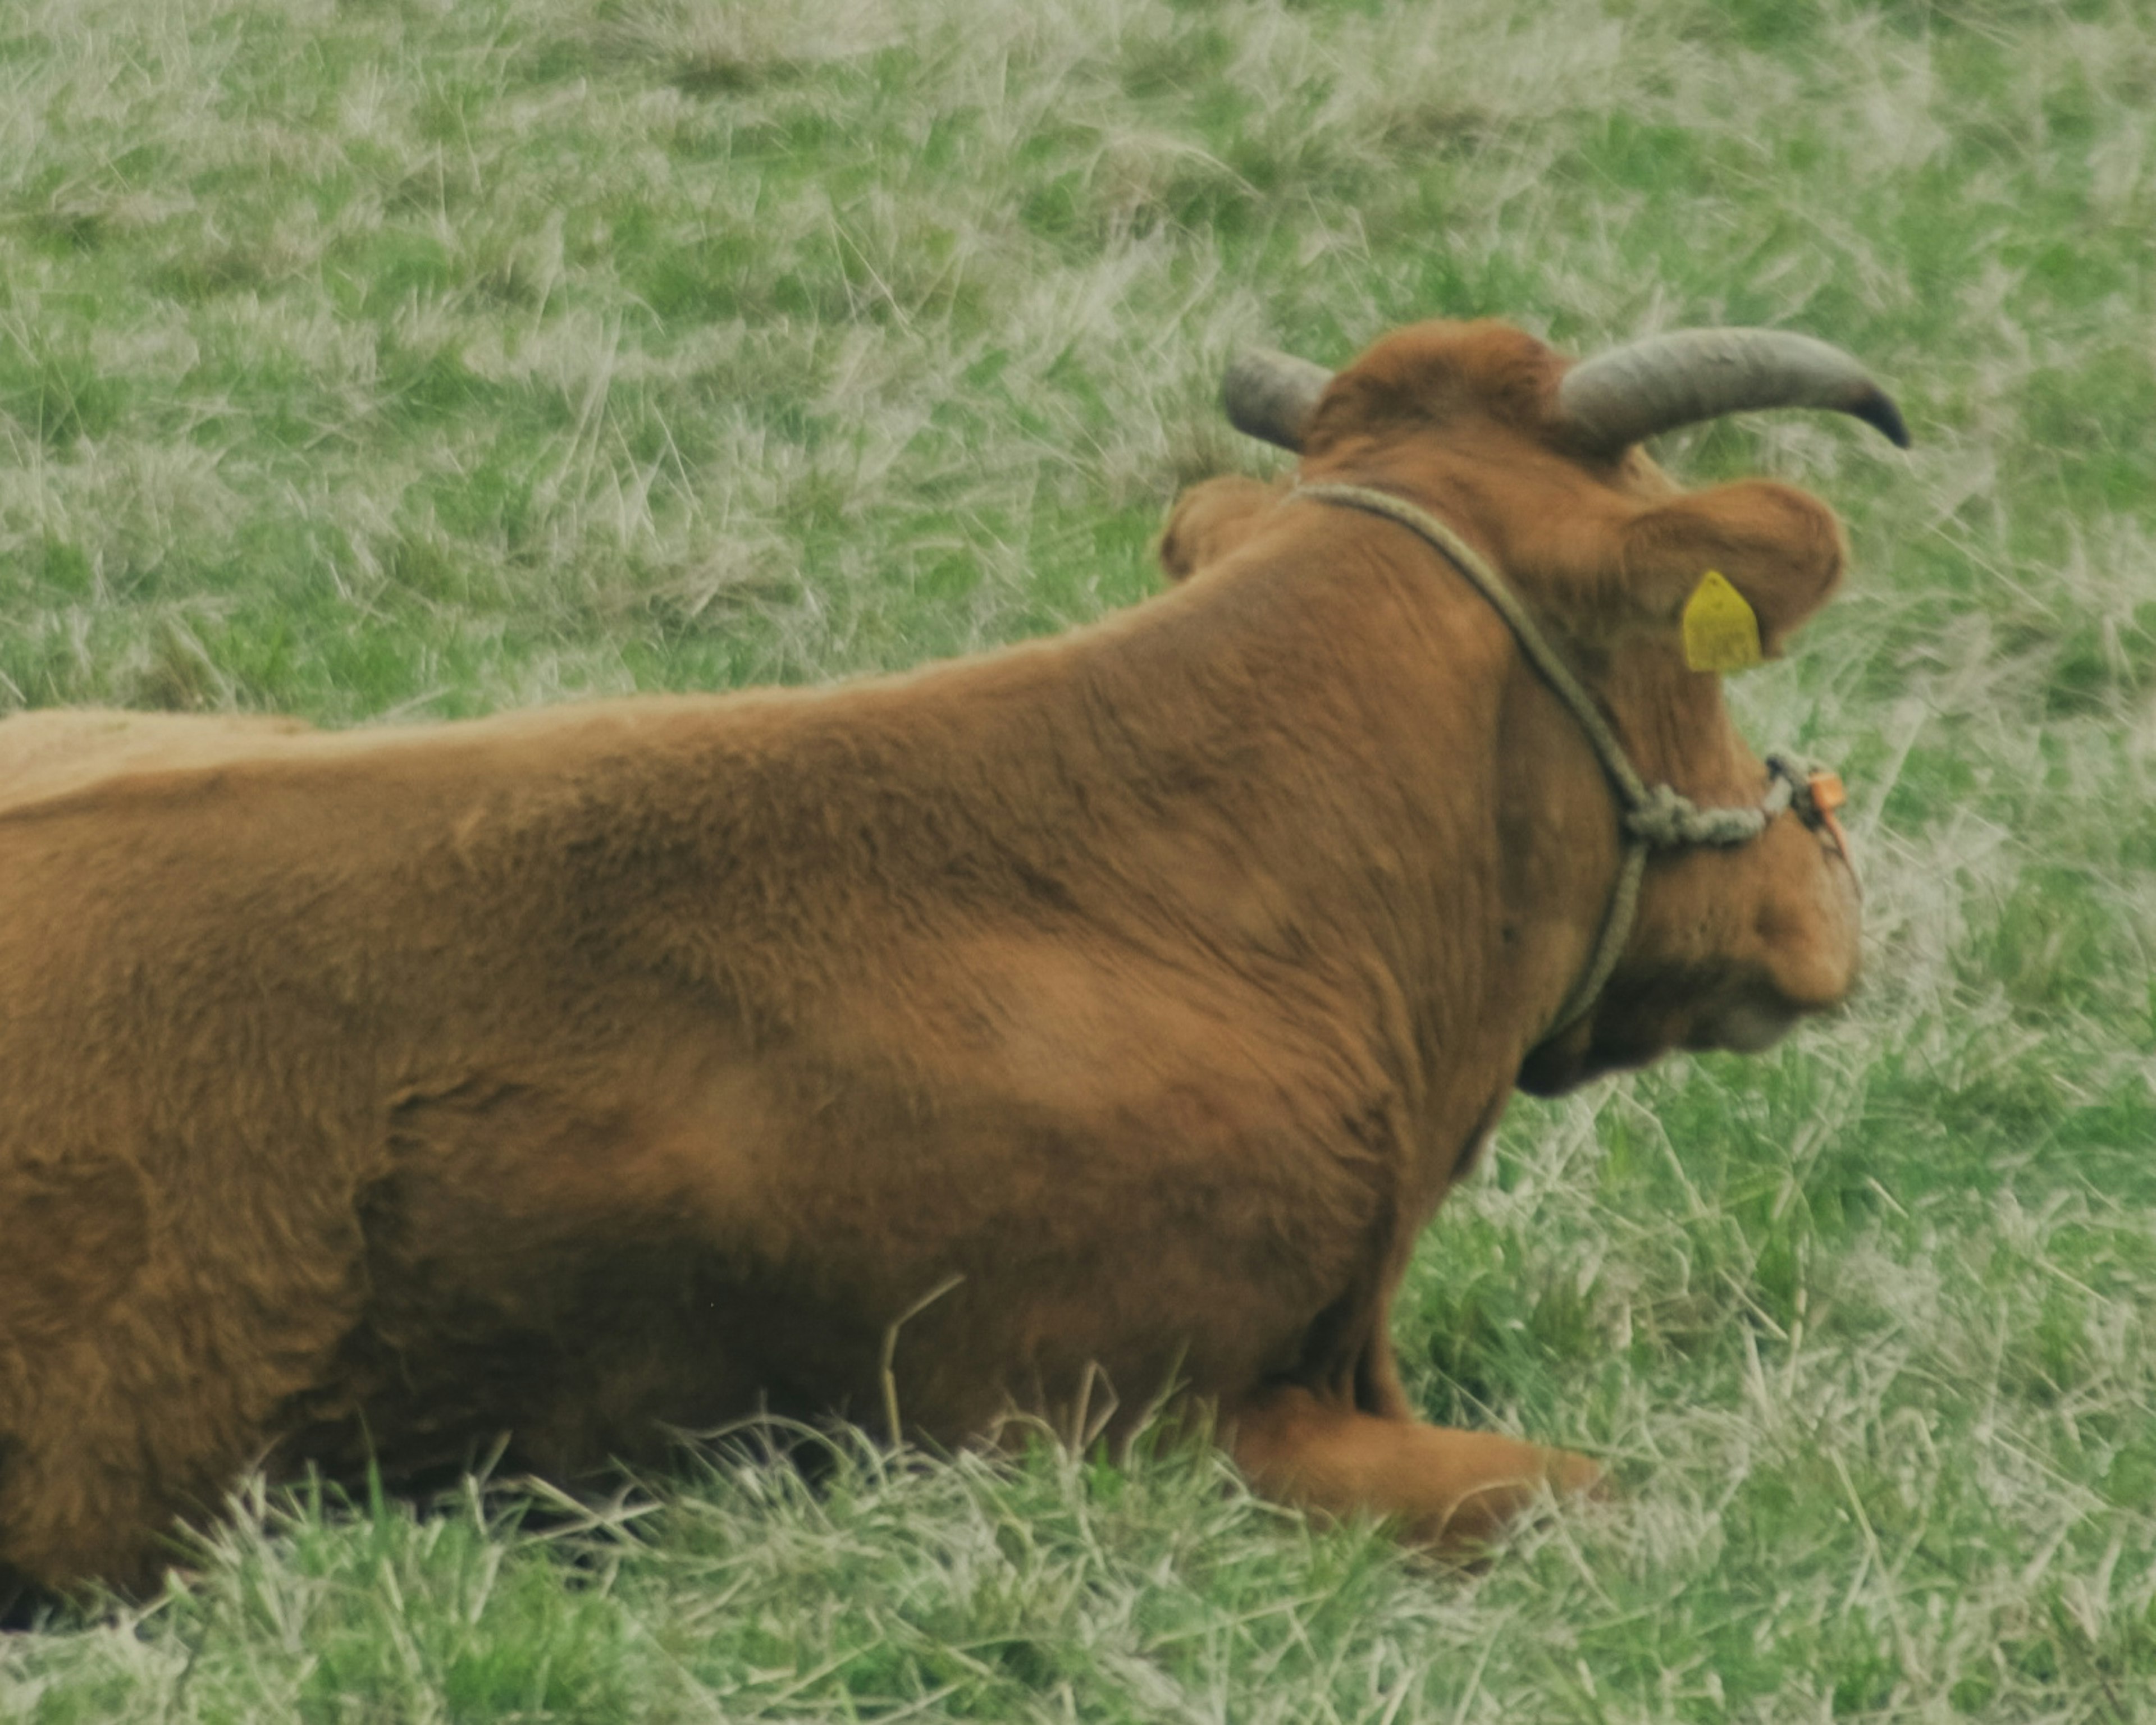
<point x="1664" y="818"/>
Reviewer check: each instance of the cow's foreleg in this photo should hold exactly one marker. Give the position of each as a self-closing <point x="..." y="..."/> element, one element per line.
<point x="1448" y="1489"/>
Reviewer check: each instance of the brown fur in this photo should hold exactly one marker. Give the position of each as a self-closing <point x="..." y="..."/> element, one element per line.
<point x="584" y="1072"/>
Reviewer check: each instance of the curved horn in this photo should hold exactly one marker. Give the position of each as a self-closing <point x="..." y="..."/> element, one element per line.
<point x="1270" y="395"/>
<point x="1632" y="393"/>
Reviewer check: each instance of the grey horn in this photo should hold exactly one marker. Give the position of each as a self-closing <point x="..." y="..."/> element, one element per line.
<point x="1271" y="395"/>
<point x="1634" y="392"/>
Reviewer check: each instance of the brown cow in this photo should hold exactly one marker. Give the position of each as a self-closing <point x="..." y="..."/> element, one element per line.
<point x="587" y="1073"/>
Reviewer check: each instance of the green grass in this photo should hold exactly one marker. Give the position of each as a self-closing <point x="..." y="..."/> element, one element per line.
<point x="392" y="358"/>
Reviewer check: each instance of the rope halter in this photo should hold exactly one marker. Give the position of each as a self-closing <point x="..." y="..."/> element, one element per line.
<point x="1650" y="818"/>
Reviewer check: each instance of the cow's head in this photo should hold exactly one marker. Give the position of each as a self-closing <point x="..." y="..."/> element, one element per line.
<point x="1535" y="461"/>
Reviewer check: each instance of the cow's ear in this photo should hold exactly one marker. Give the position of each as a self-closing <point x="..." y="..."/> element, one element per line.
<point x="1211" y="519"/>
<point x="1780" y="549"/>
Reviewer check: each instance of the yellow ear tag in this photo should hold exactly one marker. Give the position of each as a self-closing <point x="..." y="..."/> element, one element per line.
<point x="1721" y="633"/>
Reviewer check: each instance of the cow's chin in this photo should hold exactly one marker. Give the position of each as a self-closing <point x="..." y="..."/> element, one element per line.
<point x="1568" y="1061"/>
<point x="1748" y="1027"/>
<point x="1751" y="1023"/>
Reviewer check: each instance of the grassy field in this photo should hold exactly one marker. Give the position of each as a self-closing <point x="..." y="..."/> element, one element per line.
<point x="399" y="359"/>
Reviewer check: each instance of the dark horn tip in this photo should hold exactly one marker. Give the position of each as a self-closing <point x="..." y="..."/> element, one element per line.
<point x="1878" y="409"/>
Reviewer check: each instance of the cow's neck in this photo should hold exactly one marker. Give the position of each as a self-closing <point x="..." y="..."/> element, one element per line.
<point x="1389" y="789"/>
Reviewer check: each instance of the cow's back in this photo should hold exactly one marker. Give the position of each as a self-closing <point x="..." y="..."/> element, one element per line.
<point x="55" y="751"/>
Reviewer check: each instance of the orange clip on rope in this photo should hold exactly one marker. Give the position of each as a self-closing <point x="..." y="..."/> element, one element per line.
<point x="1828" y="795"/>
